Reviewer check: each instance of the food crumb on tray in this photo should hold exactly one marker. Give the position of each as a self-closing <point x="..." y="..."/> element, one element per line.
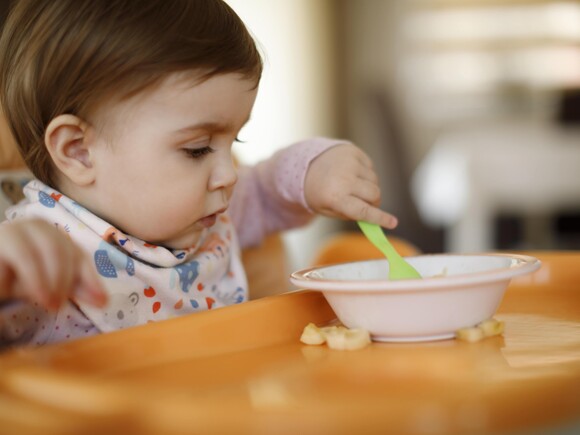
<point x="487" y="328"/>
<point x="336" y="337"/>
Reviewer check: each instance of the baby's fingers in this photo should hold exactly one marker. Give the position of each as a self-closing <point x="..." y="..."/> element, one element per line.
<point x="57" y="257"/>
<point x="22" y="273"/>
<point x="356" y="209"/>
<point x="6" y="280"/>
<point x="40" y="263"/>
<point x="88" y="287"/>
<point x="67" y="270"/>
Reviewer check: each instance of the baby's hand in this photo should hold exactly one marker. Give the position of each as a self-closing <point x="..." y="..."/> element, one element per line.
<point x="341" y="183"/>
<point x="41" y="264"/>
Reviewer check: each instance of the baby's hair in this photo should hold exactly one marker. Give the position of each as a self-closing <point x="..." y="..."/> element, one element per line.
<point x="69" y="56"/>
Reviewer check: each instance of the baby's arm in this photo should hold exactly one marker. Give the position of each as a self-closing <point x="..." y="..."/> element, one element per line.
<point x="269" y="196"/>
<point x="41" y="264"/>
<point x="326" y="176"/>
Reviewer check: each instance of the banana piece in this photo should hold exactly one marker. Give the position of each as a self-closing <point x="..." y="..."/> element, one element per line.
<point x="491" y="327"/>
<point x="348" y="339"/>
<point x="325" y="330"/>
<point x="336" y="337"/>
<point x="312" y="335"/>
<point x="487" y="328"/>
<point x="470" y="334"/>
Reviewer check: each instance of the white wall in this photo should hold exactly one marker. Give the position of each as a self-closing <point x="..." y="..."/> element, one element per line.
<point x="296" y="95"/>
<point x="295" y="98"/>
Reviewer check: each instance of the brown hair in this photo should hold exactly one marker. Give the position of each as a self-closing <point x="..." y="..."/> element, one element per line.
<point x="68" y="56"/>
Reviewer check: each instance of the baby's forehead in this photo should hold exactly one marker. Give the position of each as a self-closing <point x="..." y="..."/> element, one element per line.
<point x="172" y="96"/>
<point x="177" y="82"/>
<point x="121" y="102"/>
<point x="187" y="79"/>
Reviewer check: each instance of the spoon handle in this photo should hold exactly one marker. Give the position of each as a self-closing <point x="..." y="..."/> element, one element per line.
<point x="399" y="268"/>
<point x="376" y="235"/>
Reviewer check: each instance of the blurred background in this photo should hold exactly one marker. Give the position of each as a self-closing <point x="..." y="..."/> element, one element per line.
<point x="469" y="109"/>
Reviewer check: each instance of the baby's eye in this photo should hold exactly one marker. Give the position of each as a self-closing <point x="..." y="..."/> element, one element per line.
<point x="238" y="140"/>
<point x="197" y="153"/>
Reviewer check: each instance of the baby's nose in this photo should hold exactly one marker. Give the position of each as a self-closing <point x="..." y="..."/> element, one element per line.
<point x="224" y="175"/>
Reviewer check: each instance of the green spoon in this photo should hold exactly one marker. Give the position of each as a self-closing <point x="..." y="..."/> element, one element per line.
<point x="398" y="267"/>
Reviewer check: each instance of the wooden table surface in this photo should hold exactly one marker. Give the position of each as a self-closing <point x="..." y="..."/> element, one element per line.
<point x="242" y="369"/>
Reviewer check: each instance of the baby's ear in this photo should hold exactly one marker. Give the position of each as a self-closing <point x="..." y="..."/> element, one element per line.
<point x="68" y="142"/>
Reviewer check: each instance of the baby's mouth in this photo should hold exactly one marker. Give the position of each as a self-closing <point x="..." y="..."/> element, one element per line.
<point x="209" y="221"/>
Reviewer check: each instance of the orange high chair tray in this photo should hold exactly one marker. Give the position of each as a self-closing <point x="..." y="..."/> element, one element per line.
<point x="242" y="369"/>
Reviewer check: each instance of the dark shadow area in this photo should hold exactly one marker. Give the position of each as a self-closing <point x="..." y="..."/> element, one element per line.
<point x="568" y="112"/>
<point x="4" y="8"/>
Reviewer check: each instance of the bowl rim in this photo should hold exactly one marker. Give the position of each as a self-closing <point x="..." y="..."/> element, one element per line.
<point x="521" y="265"/>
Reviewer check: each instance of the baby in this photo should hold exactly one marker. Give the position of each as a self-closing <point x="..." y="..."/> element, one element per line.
<point x="125" y="111"/>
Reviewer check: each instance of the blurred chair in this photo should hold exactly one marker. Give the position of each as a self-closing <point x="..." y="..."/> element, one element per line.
<point x="386" y="121"/>
<point x="559" y="272"/>
<point x="266" y="267"/>
<point x="351" y="246"/>
<point x="568" y="107"/>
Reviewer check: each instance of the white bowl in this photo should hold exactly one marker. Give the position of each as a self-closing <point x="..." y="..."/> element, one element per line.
<point x="432" y="308"/>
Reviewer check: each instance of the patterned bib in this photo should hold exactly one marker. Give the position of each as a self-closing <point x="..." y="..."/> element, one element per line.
<point x="144" y="282"/>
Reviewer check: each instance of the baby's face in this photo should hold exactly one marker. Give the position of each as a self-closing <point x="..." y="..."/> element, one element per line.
<point x="165" y="170"/>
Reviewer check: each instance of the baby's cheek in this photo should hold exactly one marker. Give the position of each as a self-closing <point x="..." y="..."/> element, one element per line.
<point x="230" y="190"/>
<point x="154" y="224"/>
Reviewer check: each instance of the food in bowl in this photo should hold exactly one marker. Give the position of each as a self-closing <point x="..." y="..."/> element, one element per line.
<point x="432" y="308"/>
